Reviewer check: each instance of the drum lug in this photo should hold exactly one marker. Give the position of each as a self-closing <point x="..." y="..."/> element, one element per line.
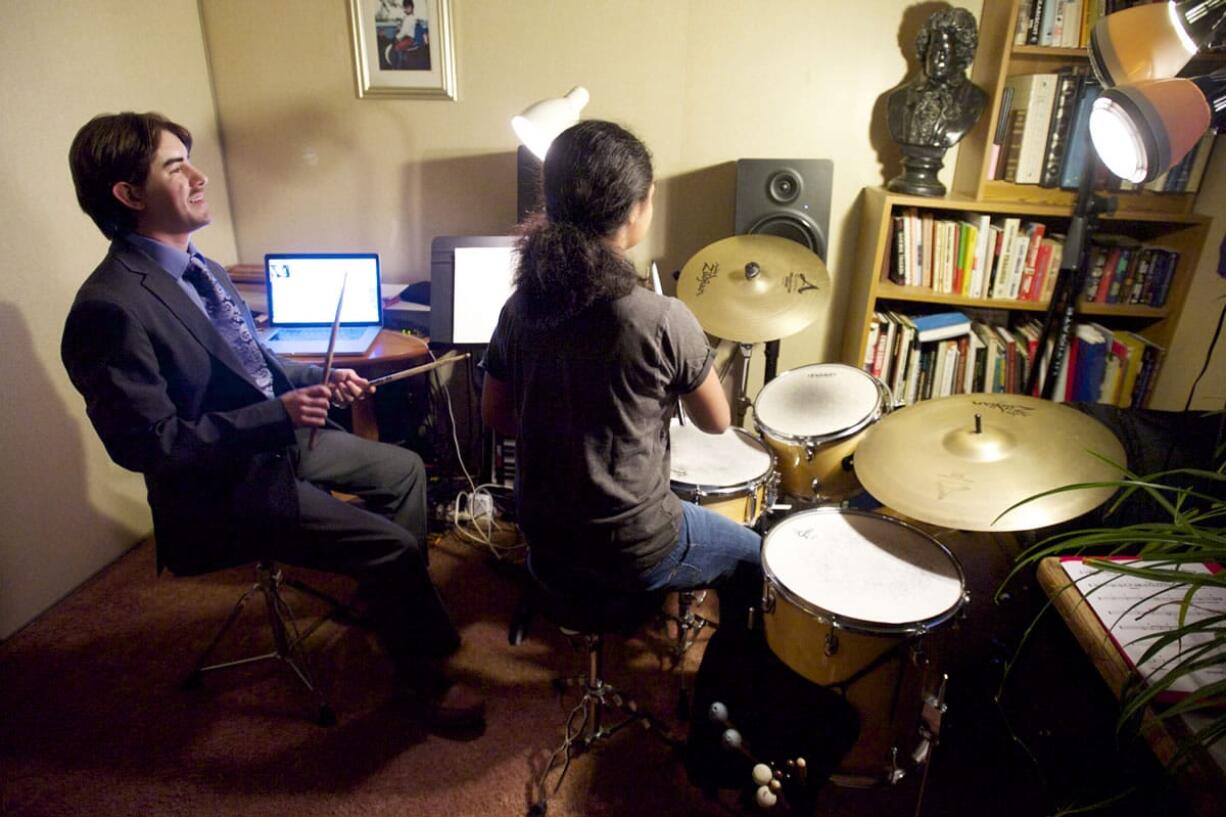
<point x="832" y="644"/>
<point x="768" y="600"/>
<point x="849" y="463"/>
<point x="810" y="450"/>
<point x="816" y="485"/>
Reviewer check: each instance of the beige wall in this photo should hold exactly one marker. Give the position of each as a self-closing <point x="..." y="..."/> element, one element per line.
<point x="703" y="83"/>
<point x="66" y="510"/>
<point x="1204" y="304"/>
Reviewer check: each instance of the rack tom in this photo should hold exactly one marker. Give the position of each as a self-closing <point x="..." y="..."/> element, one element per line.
<point x="813" y="418"/>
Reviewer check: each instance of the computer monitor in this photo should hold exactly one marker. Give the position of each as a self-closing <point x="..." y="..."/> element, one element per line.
<point x="471" y="277"/>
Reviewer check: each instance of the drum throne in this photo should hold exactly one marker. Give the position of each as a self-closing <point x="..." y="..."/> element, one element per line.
<point x="603" y="710"/>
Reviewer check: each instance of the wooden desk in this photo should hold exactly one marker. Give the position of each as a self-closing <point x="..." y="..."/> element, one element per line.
<point x="1203" y="780"/>
<point x="392" y="351"/>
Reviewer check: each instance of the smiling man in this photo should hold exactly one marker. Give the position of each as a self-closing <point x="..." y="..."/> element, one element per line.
<point x="179" y="388"/>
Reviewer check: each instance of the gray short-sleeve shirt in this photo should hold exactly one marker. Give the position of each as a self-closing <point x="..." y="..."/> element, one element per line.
<point x="594" y="397"/>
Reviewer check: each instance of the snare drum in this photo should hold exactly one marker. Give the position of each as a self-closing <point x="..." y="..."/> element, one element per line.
<point x="730" y="473"/>
<point x="813" y="418"/>
<point x="847" y="601"/>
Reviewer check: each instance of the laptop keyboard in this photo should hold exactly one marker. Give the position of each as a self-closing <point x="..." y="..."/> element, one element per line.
<point x="309" y="333"/>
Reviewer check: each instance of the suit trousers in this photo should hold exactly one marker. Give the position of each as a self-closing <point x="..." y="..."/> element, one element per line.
<point x="383" y="546"/>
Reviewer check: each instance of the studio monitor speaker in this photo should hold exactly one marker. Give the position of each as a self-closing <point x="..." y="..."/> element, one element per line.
<point x="789" y="198"/>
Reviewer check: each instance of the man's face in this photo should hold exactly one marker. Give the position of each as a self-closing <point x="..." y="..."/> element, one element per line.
<point x="940" y="58"/>
<point x="171" y="204"/>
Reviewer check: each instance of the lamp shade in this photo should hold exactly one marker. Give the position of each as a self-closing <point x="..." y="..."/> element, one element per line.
<point x="1152" y="40"/>
<point x="1143" y="129"/>
<point x="537" y="126"/>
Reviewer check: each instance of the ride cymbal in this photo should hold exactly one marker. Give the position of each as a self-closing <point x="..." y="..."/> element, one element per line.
<point x="960" y="461"/>
<point x="754" y="288"/>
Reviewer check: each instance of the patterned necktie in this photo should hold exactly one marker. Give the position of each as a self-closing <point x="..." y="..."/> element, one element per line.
<point x="228" y="319"/>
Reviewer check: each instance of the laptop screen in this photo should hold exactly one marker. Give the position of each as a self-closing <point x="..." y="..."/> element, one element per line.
<point x="303" y="288"/>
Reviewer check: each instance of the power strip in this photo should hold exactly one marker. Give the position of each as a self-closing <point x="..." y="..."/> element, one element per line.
<point x="477" y="507"/>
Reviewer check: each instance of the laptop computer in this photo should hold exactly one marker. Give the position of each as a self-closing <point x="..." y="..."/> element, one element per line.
<point x="302" y="292"/>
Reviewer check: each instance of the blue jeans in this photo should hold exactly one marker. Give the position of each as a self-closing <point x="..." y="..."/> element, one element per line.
<point x="713" y="551"/>
<point x="710" y="550"/>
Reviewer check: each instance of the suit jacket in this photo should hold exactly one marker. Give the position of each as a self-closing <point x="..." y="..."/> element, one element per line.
<point x="171" y="400"/>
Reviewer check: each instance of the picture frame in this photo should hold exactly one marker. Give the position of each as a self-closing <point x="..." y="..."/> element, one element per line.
<point x="403" y="48"/>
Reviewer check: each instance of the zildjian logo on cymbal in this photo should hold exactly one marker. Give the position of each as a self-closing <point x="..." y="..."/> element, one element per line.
<point x="1005" y="408"/>
<point x="799" y="281"/>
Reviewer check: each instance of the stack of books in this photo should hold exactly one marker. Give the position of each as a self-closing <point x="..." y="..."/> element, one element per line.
<point x="1063" y="23"/>
<point x="1042" y="137"/>
<point x="1007" y="258"/>
<point x="924" y="356"/>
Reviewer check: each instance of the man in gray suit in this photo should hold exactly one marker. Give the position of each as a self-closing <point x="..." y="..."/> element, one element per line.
<point x="179" y="388"/>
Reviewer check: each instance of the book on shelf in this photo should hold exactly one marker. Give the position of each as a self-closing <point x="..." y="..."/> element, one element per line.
<point x="1058" y="130"/>
<point x="1033" y="95"/>
<point x="1078" y="146"/>
<point x="1087" y="373"/>
<point x="995" y="166"/>
<point x="940" y="325"/>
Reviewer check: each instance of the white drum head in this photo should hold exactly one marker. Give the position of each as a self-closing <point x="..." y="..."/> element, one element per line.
<point x="720" y="460"/>
<point x="818" y="401"/>
<point x="862" y="566"/>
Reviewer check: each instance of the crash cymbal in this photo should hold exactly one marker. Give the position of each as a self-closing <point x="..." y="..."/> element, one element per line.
<point x="753" y="288"/>
<point x="960" y="461"/>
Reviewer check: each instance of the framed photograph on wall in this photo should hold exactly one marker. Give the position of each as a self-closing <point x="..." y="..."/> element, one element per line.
<point x="403" y="48"/>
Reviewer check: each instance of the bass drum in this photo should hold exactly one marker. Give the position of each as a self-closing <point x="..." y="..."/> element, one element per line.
<point x="730" y="473"/>
<point x="850" y="600"/>
<point x="813" y="418"/>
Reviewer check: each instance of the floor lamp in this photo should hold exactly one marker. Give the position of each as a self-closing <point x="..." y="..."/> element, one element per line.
<point x="1143" y="123"/>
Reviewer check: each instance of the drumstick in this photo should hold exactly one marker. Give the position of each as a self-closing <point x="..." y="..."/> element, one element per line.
<point x="446" y="360"/>
<point x="336" y="325"/>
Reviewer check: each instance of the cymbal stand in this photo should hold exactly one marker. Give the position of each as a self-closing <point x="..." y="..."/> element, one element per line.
<point x="740" y="402"/>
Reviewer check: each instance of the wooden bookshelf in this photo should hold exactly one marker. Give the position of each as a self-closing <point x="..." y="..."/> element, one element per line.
<point x="872" y="291"/>
<point x="996" y="60"/>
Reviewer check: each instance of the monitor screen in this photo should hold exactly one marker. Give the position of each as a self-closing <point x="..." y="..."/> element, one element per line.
<point x="470" y="279"/>
<point x="303" y="289"/>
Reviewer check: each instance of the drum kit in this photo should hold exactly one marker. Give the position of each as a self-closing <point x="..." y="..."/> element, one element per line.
<point x="851" y="598"/>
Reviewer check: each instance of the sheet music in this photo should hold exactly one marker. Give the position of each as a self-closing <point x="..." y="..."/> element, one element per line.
<point x="1132" y="608"/>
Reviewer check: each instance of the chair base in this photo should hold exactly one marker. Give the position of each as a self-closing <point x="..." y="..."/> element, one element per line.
<point x="586" y="725"/>
<point x="287" y="638"/>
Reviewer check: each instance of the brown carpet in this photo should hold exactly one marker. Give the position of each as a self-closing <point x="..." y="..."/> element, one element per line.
<point x="92" y="719"/>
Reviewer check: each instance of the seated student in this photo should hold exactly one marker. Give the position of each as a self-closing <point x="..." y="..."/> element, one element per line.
<point x="179" y="388"/>
<point x="584" y="369"/>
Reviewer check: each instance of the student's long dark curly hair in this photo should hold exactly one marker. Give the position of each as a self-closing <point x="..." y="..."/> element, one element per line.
<point x="595" y="172"/>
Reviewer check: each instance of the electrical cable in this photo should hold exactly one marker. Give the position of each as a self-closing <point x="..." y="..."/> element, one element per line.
<point x="1217" y="333"/>
<point x="472" y="513"/>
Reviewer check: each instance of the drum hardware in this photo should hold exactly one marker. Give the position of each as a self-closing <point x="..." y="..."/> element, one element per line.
<point x="832" y="643"/>
<point x="964" y="462"/>
<point x="810" y="453"/>
<point x="849" y="462"/>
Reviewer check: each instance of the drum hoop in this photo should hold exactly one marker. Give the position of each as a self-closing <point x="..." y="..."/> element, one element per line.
<point x="841" y="622"/>
<point x="884" y="404"/>
<point x="699" y="489"/>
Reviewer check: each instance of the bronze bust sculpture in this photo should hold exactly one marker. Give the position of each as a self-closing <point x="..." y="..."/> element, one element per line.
<point x="931" y="113"/>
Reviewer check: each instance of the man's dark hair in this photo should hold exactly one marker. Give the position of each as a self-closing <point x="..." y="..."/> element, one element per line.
<point x="964" y="32"/>
<point x="114" y="148"/>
